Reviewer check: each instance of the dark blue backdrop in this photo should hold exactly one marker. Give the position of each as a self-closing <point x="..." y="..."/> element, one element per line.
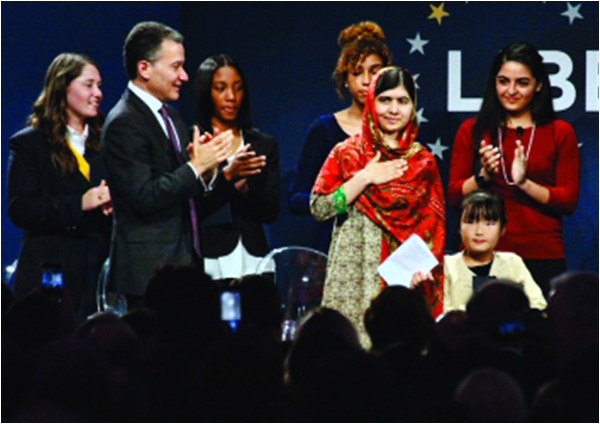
<point x="288" y="51"/>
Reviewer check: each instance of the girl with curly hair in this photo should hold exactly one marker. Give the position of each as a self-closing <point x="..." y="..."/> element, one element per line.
<point x="363" y="53"/>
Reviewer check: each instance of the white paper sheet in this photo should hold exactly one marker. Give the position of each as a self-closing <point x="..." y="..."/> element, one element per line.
<point x="412" y="256"/>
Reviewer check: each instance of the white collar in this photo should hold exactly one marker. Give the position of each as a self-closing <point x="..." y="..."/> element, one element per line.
<point x="73" y="133"/>
<point x="77" y="140"/>
<point x="152" y="102"/>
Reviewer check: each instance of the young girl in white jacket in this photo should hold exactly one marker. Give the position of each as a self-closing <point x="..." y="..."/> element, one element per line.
<point x="482" y="223"/>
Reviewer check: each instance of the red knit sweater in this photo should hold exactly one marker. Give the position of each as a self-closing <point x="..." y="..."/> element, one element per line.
<point x="534" y="231"/>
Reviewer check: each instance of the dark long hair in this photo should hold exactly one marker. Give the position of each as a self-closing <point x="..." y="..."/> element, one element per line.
<point x="203" y="102"/>
<point x="50" y="110"/>
<point x="492" y="115"/>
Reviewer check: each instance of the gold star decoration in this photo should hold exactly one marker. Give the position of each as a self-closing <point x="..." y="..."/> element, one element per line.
<point x="438" y="13"/>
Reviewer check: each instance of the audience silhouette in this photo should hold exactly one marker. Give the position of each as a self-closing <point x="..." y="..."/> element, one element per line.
<point x="175" y="360"/>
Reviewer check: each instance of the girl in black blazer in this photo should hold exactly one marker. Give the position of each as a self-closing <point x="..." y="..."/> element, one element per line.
<point x="234" y="210"/>
<point x="55" y="191"/>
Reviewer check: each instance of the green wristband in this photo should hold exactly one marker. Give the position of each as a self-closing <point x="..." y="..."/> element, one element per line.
<point x="339" y="201"/>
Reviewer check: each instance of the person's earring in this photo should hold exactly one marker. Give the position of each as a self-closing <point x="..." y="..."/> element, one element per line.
<point x="346" y="84"/>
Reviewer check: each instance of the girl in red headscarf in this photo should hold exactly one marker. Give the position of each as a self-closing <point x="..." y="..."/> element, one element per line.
<point x="382" y="186"/>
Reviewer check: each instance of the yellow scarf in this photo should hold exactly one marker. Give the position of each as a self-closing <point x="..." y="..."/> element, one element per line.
<point x="84" y="166"/>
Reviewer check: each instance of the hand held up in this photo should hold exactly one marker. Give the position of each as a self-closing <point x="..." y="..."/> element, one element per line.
<point x="377" y="172"/>
<point x="519" y="165"/>
<point x="207" y="151"/>
<point x="489" y="157"/>
<point x="95" y="197"/>
<point x="419" y="278"/>
<point x="244" y="164"/>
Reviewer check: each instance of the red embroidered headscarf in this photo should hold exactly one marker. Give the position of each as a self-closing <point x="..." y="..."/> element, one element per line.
<point x="413" y="203"/>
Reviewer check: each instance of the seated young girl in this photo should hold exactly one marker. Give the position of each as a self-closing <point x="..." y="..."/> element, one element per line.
<point x="482" y="223"/>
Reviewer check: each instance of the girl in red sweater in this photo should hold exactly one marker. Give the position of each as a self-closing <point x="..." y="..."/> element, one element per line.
<point x="516" y="147"/>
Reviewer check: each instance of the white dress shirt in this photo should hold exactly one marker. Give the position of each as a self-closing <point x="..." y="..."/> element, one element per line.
<point x="77" y="140"/>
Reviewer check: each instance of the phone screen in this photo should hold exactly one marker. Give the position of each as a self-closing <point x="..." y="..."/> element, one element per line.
<point x="231" y="308"/>
<point x="52" y="281"/>
<point x="52" y="276"/>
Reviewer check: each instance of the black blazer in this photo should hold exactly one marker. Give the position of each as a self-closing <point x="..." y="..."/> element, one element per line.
<point x="226" y="215"/>
<point x="47" y="206"/>
<point x="150" y="192"/>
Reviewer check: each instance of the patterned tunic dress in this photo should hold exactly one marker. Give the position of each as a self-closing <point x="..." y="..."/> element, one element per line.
<point x="352" y="279"/>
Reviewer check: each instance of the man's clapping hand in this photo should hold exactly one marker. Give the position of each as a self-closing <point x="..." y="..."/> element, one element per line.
<point x="208" y="151"/>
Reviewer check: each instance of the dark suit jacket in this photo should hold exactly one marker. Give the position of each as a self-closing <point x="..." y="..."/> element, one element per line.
<point x="226" y="214"/>
<point x="47" y="206"/>
<point x="150" y="192"/>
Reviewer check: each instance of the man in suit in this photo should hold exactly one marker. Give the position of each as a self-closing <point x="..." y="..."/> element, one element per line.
<point x="153" y="173"/>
